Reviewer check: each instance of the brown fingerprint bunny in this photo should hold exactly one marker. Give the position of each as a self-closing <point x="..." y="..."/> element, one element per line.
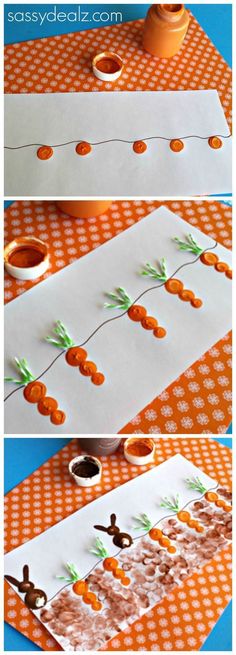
<point x="34" y="598"/>
<point x="120" y="539"/>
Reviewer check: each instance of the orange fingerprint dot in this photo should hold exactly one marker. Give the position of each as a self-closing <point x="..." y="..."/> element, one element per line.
<point x="209" y="258"/>
<point x="215" y="142"/>
<point x="80" y="587"/>
<point x="89" y="597"/>
<point x="211" y="496"/>
<point x="87" y="368"/>
<point x="34" y="391"/>
<point x="171" y="550"/>
<point x="155" y="534"/>
<point x="164" y="541"/>
<point x="183" y="516"/>
<point x="199" y="528"/>
<point x="229" y="274"/>
<point x="176" y="145"/>
<point x="75" y="356"/>
<point x="220" y="503"/>
<point x="227" y="508"/>
<point x="159" y="332"/>
<point x="139" y="147"/>
<point x="149" y="323"/>
<point x="98" y="378"/>
<point x="196" y="302"/>
<point x="44" y="152"/>
<point x="221" y="267"/>
<point x="126" y="581"/>
<point x="192" y="523"/>
<point x="47" y="405"/>
<point x="186" y="295"/>
<point x="83" y="148"/>
<point x="137" y="312"/>
<point x="119" y="573"/>
<point x="110" y="564"/>
<point x="58" y="417"/>
<point x="96" y="606"/>
<point x="174" y="286"/>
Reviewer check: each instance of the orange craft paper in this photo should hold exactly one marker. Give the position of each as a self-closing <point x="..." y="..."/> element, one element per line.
<point x="183" y="620"/>
<point x="64" y="63"/>
<point x="200" y="400"/>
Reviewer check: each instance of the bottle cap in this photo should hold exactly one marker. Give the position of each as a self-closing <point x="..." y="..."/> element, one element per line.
<point x="107" y="66"/>
<point x="86" y="470"/>
<point x="139" y="450"/>
<point x="26" y="258"/>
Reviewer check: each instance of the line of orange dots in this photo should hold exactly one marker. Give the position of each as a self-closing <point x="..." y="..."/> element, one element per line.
<point x="80" y="588"/>
<point x="157" y="535"/>
<point x="111" y="564"/>
<point x="35" y="392"/>
<point x="83" y="148"/>
<point x="76" y="356"/>
<point x="213" y="497"/>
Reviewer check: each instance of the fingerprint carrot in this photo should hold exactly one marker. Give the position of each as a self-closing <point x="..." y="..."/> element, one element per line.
<point x="213" y="497"/>
<point x="172" y="285"/>
<point x="35" y="392"/>
<point x="75" y="355"/>
<point x="81" y="588"/>
<point x="208" y="258"/>
<point x="182" y="515"/>
<point x="110" y="564"/>
<point x="137" y="313"/>
<point x="144" y="523"/>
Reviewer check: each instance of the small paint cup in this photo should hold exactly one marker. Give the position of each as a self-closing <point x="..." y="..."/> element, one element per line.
<point x="85" y="470"/>
<point x="139" y="450"/>
<point x="107" y="66"/>
<point x="26" y="258"/>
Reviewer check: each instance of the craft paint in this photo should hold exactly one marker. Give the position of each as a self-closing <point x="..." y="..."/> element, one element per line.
<point x="107" y="66"/>
<point x="139" y="450"/>
<point x="84" y="208"/>
<point x="26" y="258"/>
<point x="99" y="446"/>
<point x="165" y="28"/>
<point x="85" y="470"/>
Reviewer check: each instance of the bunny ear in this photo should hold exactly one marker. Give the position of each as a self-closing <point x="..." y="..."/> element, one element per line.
<point x="14" y="581"/>
<point x="113" y="519"/>
<point x="25" y="573"/>
<point x="100" y="527"/>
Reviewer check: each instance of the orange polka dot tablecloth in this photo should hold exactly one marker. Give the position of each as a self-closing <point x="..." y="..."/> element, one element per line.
<point x="200" y="400"/>
<point x="63" y="63"/>
<point x="180" y="622"/>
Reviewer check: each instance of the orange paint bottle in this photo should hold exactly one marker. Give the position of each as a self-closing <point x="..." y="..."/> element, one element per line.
<point x="165" y="28"/>
<point x="84" y="208"/>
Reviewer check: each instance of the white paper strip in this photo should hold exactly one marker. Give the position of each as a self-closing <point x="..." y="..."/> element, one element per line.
<point x="113" y="168"/>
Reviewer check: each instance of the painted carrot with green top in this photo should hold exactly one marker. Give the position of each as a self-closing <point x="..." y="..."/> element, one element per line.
<point x="172" y="285"/>
<point x="81" y="588"/>
<point x="75" y="355"/>
<point x="110" y="564"/>
<point x="137" y="313"/>
<point x="172" y="504"/>
<point x="35" y="392"/>
<point x="208" y="258"/>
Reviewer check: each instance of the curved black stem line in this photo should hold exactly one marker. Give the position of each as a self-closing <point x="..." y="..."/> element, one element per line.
<point x="114" y="318"/>
<point x="98" y="143"/>
<point x="136" y="538"/>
